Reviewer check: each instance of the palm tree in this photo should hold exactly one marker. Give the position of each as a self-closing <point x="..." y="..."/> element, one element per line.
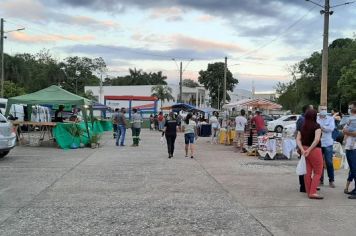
<point x="162" y="92"/>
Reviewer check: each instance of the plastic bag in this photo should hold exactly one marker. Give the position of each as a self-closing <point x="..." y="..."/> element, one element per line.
<point x="162" y="140"/>
<point x="301" y="167"/>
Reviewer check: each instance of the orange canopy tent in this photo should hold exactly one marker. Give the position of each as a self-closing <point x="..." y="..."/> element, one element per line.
<point x="262" y="104"/>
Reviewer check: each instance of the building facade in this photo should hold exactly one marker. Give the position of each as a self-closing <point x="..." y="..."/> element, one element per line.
<point x="198" y="96"/>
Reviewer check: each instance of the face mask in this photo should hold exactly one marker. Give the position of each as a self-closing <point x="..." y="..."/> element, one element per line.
<point x="323" y="113"/>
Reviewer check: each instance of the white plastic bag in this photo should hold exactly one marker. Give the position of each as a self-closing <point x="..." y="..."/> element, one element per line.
<point x="162" y="140"/>
<point x="301" y="167"/>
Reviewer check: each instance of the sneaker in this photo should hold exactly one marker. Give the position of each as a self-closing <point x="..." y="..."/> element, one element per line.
<point x="122" y="145"/>
<point x="352" y="197"/>
<point x="331" y="185"/>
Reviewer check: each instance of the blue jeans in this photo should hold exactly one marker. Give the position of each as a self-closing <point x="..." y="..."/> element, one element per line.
<point x="121" y="131"/>
<point x="189" y="138"/>
<point x="351" y="160"/>
<point x="328" y="158"/>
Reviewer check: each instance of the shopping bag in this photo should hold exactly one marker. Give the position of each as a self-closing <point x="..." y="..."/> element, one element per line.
<point x="161" y="140"/>
<point x="301" y="167"/>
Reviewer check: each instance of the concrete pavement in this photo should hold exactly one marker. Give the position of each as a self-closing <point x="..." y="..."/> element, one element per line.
<point x="139" y="191"/>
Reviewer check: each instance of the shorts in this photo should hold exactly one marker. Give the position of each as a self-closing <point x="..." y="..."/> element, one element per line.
<point x="240" y="136"/>
<point x="189" y="138"/>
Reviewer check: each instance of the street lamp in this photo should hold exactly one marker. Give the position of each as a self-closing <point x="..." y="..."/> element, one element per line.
<point x="2" y="37"/>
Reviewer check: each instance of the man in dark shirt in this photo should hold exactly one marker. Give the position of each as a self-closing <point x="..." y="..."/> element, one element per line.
<point x="121" y="128"/>
<point x="58" y="115"/>
<point x="170" y="130"/>
<point x="299" y="125"/>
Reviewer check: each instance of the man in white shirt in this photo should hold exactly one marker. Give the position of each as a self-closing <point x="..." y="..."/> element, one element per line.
<point x="327" y="125"/>
<point x="240" y="122"/>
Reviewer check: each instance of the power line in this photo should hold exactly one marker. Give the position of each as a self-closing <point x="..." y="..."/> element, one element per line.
<point x="280" y="35"/>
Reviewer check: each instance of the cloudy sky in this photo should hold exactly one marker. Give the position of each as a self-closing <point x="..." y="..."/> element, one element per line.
<point x="261" y="38"/>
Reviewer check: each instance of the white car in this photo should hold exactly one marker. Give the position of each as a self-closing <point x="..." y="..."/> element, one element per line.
<point x="289" y="130"/>
<point x="278" y="125"/>
<point x="7" y="136"/>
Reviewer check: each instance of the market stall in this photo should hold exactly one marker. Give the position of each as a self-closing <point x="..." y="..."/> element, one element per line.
<point x="55" y="95"/>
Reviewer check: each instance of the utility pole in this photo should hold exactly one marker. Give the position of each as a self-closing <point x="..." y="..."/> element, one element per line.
<point x="325" y="57"/>
<point x="180" y="82"/>
<point x="2" y="37"/>
<point x="2" y="55"/>
<point x="225" y="70"/>
<point x="181" y="71"/>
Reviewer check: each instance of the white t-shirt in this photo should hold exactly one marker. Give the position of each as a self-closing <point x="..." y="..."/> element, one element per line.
<point x="240" y="123"/>
<point x="214" y="122"/>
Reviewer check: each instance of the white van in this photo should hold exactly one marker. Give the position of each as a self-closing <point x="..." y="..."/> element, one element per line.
<point x="40" y="114"/>
<point x="15" y="110"/>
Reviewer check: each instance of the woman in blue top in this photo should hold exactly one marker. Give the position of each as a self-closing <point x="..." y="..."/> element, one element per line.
<point x="189" y="128"/>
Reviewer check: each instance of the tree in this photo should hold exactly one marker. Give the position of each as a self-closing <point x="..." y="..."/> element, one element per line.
<point x="162" y="92"/>
<point x="90" y="95"/>
<point x="12" y="90"/>
<point x="213" y="79"/>
<point x="190" y="83"/>
<point x="305" y="86"/>
<point x="347" y="83"/>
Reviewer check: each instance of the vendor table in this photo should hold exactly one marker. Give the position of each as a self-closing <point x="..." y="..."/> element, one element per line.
<point x="36" y="131"/>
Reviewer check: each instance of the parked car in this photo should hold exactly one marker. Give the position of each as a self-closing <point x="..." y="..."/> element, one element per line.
<point x="7" y="136"/>
<point x="278" y="125"/>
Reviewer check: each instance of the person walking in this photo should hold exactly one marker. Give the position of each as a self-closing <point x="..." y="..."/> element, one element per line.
<point x="213" y="120"/>
<point x="170" y="131"/>
<point x="152" y="122"/>
<point x="327" y="125"/>
<point x="299" y="125"/>
<point x="350" y="146"/>
<point x="240" y="125"/>
<point x="190" y="134"/>
<point x="160" y="121"/>
<point x="121" y="128"/>
<point x="114" y="120"/>
<point x="260" y="124"/>
<point x="308" y="141"/>
<point x="136" y="127"/>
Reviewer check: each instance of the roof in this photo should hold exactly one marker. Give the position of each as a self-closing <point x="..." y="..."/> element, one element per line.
<point x="179" y="106"/>
<point x="256" y="103"/>
<point x="131" y="97"/>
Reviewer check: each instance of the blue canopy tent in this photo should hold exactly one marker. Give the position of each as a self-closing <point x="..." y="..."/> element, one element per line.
<point x="179" y="107"/>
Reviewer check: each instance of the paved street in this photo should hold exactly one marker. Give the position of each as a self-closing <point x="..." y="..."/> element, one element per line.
<point x="139" y="191"/>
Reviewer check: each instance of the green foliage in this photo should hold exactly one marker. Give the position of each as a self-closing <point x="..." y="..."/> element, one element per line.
<point x="138" y="77"/>
<point x="213" y="80"/>
<point x="95" y="138"/>
<point x="12" y="90"/>
<point x="305" y="87"/>
<point x="75" y="130"/>
<point x="347" y="83"/>
<point x="190" y="83"/>
<point x="162" y="92"/>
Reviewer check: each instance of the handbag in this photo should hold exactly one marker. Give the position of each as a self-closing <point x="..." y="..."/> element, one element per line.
<point x="302" y="166"/>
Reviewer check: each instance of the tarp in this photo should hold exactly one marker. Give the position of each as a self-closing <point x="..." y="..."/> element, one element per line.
<point x="179" y="106"/>
<point x="52" y="95"/>
<point x="99" y="106"/>
<point x="205" y="110"/>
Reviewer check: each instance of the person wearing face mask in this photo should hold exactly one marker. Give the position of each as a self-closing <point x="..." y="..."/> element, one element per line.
<point x="350" y="147"/>
<point x="327" y="125"/>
